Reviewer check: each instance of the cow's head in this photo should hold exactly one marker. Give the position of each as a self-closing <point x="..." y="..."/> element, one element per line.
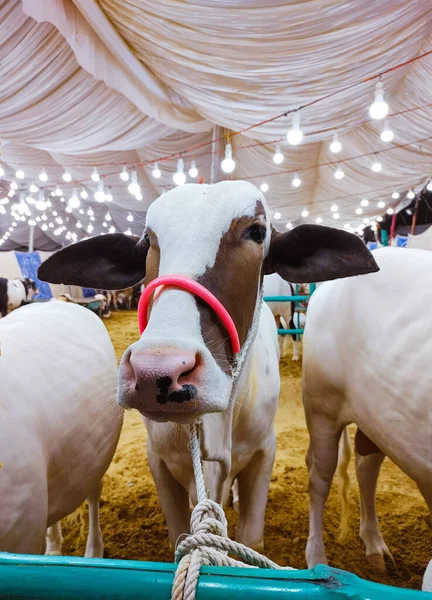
<point x="30" y="287"/>
<point x="219" y="235"/>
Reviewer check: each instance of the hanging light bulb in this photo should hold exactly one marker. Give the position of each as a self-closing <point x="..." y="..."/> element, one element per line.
<point x="410" y="195"/>
<point x="386" y="133"/>
<point x="13" y="185"/>
<point x="107" y="217"/>
<point x="366" y="221"/>
<point x="95" y="175"/>
<point x="133" y="187"/>
<point x="277" y="215"/>
<point x="112" y="229"/>
<point x="19" y="174"/>
<point x="124" y="175"/>
<point x="68" y="209"/>
<point x="89" y="212"/>
<point x="335" y="146"/>
<point x="395" y="195"/>
<point x="336" y="215"/>
<point x="390" y="211"/>
<point x="104" y="224"/>
<point x="381" y="204"/>
<point x="84" y="194"/>
<point x="179" y="177"/>
<point x="364" y="202"/>
<point x="44" y="217"/>
<point x="11" y="193"/>
<point x="264" y="187"/>
<point x="78" y="224"/>
<point x="278" y="156"/>
<point x="359" y="211"/>
<point x="1" y="171"/>
<point x="31" y="222"/>
<point x="128" y="232"/>
<point x="379" y="108"/>
<point x="228" y="164"/>
<point x="289" y="225"/>
<point x="376" y="166"/>
<point x="318" y="220"/>
<point x="379" y="219"/>
<point x="33" y="188"/>
<point x="74" y="201"/>
<point x="305" y="213"/>
<point x="347" y="226"/>
<point x="338" y="173"/>
<point x="138" y="196"/>
<point x="295" y="134"/>
<point x="67" y="176"/>
<point x="334" y="207"/>
<point x="44" y="227"/>
<point x="40" y="203"/>
<point x="108" y="195"/>
<point x="157" y="172"/>
<point x="43" y="175"/>
<point x="99" y="195"/>
<point x="90" y="228"/>
<point x="193" y="171"/>
<point x="296" y="181"/>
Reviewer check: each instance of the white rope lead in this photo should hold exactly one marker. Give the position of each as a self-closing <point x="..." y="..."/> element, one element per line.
<point x="208" y="542"/>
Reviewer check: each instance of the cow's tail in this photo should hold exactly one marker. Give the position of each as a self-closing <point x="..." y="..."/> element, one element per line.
<point x="344" y="483"/>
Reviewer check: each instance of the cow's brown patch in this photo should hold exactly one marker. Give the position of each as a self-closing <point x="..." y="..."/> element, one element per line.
<point x="363" y="445"/>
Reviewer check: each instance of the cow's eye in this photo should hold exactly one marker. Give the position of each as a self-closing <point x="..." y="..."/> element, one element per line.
<point x="255" y="233"/>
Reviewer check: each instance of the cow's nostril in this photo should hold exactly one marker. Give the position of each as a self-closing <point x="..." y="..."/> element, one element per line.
<point x="186" y="373"/>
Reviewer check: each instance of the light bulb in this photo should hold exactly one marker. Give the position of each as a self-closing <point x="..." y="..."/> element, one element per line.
<point x="379" y="219"/>
<point x="359" y="211"/>
<point x="295" y="134"/>
<point x="59" y="220"/>
<point x="278" y="156"/>
<point x="11" y="193"/>
<point x="90" y="212"/>
<point x="395" y="195"/>
<point x="84" y="194"/>
<point x="264" y="187"/>
<point x="19" y="174"/>
<point x="74" y="201"/>
<point x="305" y="213"/>
<point x="366" y="221"/>
<point x="157" y="172"/>
<point x="124" y="175"/>
<point x="364" y="202"/>
<point x="43" y="175"/>
<point x="381" y="204"/>
<point x="44" y="227"/>
<point x="67" y="176"/>
<point x="32" y="222"/>
<point x="107" y="217"/>
<point x="379" y="108"/>
<point x="347" y="226"/>
<point x="68" y="209"/>
<point x="335" y="146"/>
<point x="296" y="180"/>
<point x="130" y="217"/>
<point x="138" y="196"/>
<point x="228" y="164"/>
<point x="112" y="229"/>
<point x="104" y="224"/>
<point x="78" y="224"/>
<point x="390" y="211"/>
<point x="128" y="232"/>
<point x="376" y="166"/>
<point x="334" y="207"/>
<point x="133" y="187"/>
<point x="1" y="171"/>
<point x="90" y="228"/>
<point x="30" y="200"/>
<point x="99" y="195"/>
<point x="44" y="217"/>
<point x="108" y="195"/>
<point x="386" y="133"/>
<point x="193" y="171"/>
<point x="92" y="218"/>
<point x="40" y="205"/>
<point x="33" y="188"/>
<point x="277" y="215"/>
<point x="318" y="220"/>
<point x="338" y="173"/>
<point x="13" y="185"/>
<point x="429" y="186"/>
<point x="410" y="195"/>
<point x="336" y="215"/>
<point x="179" y="177"/>
<point x="289" y="225"/>
<point x="95" y="175"/>
<point x="51" y="225"/>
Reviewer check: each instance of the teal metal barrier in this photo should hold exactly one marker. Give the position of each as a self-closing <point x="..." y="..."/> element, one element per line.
<point x="25" y="577"/>
<point x="295" y="298"/>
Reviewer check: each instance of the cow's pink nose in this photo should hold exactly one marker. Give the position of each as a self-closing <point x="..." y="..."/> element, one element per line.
<point x="173" y="375"/>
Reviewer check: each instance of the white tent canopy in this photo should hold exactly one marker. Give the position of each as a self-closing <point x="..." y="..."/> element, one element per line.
<point x="107" y="83"/>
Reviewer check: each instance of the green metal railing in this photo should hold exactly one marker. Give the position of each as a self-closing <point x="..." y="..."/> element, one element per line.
<point x="297" y="299"/>
<point x="24" y="577"/>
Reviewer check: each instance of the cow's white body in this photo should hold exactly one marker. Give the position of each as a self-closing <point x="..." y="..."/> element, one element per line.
<point x="58" y="417"/>
<point x="371" y="368"/>
<point x="274" y="285"/>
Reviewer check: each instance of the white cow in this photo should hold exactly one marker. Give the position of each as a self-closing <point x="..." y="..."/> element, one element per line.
<point x="59" y="423"/>
<point x="181" y="369"/>
<point x="15" y="292"/>
<point x="371" y="368"/>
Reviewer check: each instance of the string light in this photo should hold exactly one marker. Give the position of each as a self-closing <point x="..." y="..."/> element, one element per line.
<point x="410" y="195"/>
<point x="359" y="211"/>
<point x="278" y="156"/>
<point x="13" y="185"/>
<point x="128" y="232"/>
<point x="289" y="225"/>
<point x="32" y="222"/>
<point x="334" y="208"/>
<point x="228" y="164"/>
<point x="390" y="211"/>
<point x="379" y="219"/>
<point x="339" y="173"/>
<point x="90" y="228"/>
<point x="33" y="188"/>
<point x="335" y="146"/>
<point x="133" y="187"/>
<point x="318" y="220"/>
<point x="108" y="195"/>
<point x="67" y="176"/>
<point x="124" y="175"/>
<point x="381" y="204"/>
<point x="379" y="108"/>
<point x="112" y="229"/>
<point x="130" y="217"/>
<point x="366" y="221"/>
<point x="99" y="195"/>
<point x="347" y="226"/>
<point x="156" y="171"/>
<point x="336" y="215"/>
<point x="295" y="134"/>
<point x="386" y="133"/>
<point x="108" y="217"/>
<point x="305" y="213"/>
<point x="395" y="195"/>
<point x="264" y="187"/>
<point x="19" y="174"/>
<point x="11" y="193"/>
<point x="364" y="202"/>
<point x="95" y="175"/>
<point x="277" y="215"/>
<point x="44" y="227"/>
<point x="74" y="201"/>
<point x="376" y="166"/>
<point x="193" y="171"/>
<point x="43" y="175"/>
<point x="138" y="196"/>
<point x="68" y="209"/>
<point x="296" y="181"/>
<point x="78" y="225"/>
<point x="179" y="177"/>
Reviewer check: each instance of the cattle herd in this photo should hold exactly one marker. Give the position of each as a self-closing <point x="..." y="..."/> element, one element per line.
<point x="366" y="355"/>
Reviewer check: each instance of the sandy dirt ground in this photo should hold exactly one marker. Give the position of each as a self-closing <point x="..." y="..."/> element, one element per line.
<point x="133" y="525"/>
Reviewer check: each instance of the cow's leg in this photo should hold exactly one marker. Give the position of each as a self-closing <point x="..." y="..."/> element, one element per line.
<point x="54" y="540"/>
<point x="321" y="460"/>
<point x="173" y="498"/>
<point x="368" y="461"/>
<point x="95" y="545"/>
<point x="253" y="487"/>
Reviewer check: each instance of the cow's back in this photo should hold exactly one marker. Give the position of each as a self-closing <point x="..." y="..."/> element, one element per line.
<point x="57" y="396"/>
<point x="368" y="345"/>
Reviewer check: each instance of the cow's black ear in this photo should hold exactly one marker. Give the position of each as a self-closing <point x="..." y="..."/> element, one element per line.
<point x="312" y="253"/>
<point x="107" y="262"/>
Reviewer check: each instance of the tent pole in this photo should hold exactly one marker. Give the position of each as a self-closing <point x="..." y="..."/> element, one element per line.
<point x="31" y="238"/>
<point x="414" y="221"/>
<point x="215" y="154"/>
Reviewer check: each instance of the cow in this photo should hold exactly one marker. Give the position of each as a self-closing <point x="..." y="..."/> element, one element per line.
<point x="370" y="368"/>
<point x="15" y="293"/>
<point x="283" y="312"/>
<point x="123" y="297"/>
<point x="59" y="420"/>
<point x="183" y="369"/>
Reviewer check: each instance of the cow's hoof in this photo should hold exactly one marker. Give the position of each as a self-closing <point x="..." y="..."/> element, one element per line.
<point x="378" y="563"/>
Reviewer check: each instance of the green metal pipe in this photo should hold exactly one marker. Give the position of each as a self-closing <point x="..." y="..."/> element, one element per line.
<point x="285" y="298"/>
<point x="25" y="577"/>
<point x="292" y="332"/>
